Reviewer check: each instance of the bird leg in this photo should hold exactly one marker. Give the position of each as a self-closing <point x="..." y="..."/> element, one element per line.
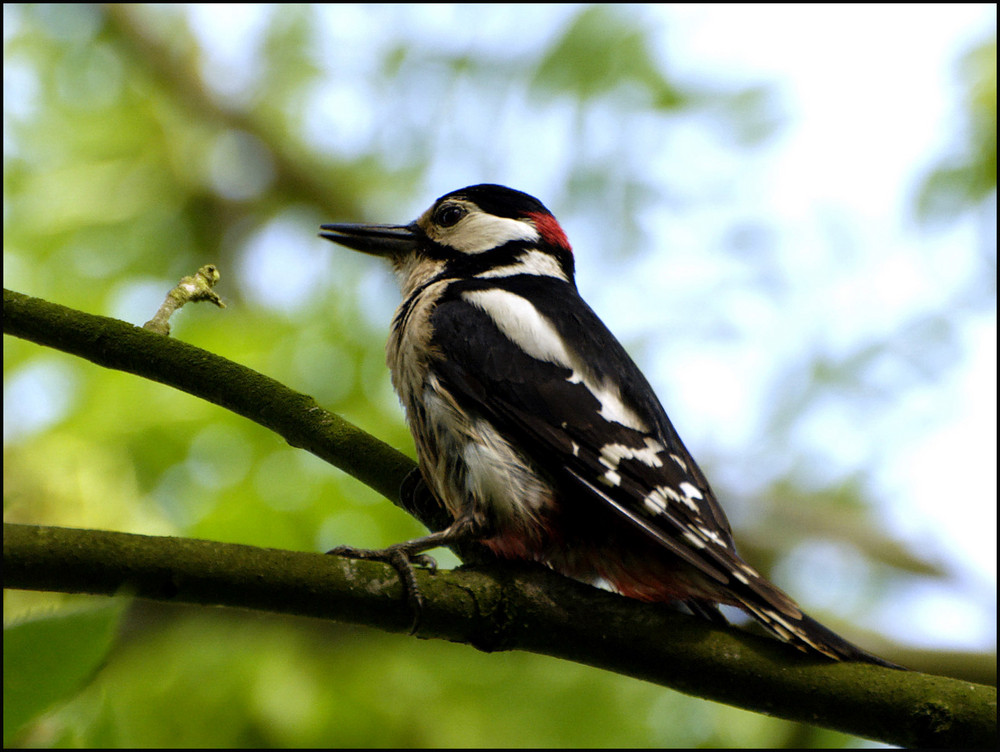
<point x="404" y="556"/>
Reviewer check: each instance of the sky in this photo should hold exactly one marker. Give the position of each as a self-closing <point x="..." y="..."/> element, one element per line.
<point x="940" y="486"/>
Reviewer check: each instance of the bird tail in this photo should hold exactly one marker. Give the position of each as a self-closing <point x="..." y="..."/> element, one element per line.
<point x="805" y="633"/>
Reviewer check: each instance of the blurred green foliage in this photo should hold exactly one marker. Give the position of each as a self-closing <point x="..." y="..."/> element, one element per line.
<point x="49" y="658"/>
<point x="965" y="180"/>
<point x="132" y="158"/>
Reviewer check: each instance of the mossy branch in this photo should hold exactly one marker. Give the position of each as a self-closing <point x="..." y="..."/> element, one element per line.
<point x="517" y="608"/>
<point x="294" y="416"/>
<point x="502" y="608"/>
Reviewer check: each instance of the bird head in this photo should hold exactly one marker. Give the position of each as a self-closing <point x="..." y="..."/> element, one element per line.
<point x="473" y="229"/>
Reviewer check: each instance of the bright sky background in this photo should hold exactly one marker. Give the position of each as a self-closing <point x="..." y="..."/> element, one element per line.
<point x="941" y="486"/>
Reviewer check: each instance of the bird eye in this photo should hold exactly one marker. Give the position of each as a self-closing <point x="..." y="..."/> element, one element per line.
<point x="448" y="215"/>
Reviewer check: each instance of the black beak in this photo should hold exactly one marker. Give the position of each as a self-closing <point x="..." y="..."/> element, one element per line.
<point x="378" y="240"/>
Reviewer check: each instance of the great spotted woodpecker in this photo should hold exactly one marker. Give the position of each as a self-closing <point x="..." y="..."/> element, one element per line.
<point x="537" y="431"/>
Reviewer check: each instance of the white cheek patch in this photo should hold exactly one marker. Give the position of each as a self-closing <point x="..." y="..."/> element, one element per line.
<point x="479" y="232"/>
<point x="533" y="262"/>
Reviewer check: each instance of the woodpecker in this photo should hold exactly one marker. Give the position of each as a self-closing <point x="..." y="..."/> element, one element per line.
<point x="536" y="430"/>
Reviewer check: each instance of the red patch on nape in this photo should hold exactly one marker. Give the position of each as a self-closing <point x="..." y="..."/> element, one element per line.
<point x="548" y="227"/>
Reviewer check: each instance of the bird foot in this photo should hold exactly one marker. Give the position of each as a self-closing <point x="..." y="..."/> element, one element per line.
<point x="403" y="559"/>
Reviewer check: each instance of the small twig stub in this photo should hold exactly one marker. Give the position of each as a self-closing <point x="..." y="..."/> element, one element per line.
<point x="191" y="289"/>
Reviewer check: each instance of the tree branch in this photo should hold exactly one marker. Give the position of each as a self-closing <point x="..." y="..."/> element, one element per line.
<point x="516" y="608"/>
<point x="294" y="416"/>
<point x="504" y="608"/>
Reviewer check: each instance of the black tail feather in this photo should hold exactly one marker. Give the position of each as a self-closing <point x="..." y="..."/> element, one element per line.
<point x="808" y="635"/>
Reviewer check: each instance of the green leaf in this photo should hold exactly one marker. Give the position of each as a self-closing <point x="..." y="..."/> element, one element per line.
<point x="50" y="658"/>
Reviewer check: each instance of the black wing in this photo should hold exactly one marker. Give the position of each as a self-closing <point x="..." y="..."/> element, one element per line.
<point x="642" y="471"/>
<point x="555" y="417"/>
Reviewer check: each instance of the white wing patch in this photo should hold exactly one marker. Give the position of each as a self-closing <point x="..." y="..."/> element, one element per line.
<point x="690" y="491"/>
<point x="613" y="454"/>
<point x="693" y="539"/>
<point x="523" y="325"/>
<point x="712" y="536"/>
<point x="610" y="478"/>
<point x="613" y="409"/>
<point x="657" y="500"/>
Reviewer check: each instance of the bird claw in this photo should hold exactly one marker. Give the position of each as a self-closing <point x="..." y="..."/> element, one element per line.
<point x="404" y="556"/>
<point x="403" y="561"/>
<point x="426" y="561"/>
